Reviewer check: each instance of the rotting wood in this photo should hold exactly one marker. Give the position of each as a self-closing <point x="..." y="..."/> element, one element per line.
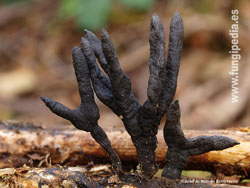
<point x="22" y="143"/>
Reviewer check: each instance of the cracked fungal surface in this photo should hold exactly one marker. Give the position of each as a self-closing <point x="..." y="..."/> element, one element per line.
<point x="86" y="116"/>
<point x="180" y="148"/>
<point x="113" y="88"/>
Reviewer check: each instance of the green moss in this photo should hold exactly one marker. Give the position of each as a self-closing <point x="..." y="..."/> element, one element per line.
<point x="196" y="174"/>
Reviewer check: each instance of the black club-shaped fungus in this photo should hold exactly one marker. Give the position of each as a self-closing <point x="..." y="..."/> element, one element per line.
<point x="113" y="88"/>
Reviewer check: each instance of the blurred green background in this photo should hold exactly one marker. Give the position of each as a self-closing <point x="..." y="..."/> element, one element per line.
<point x="36" y="38"/>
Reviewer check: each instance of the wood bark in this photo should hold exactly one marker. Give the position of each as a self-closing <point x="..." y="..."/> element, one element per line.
<point x="28" y="144"/>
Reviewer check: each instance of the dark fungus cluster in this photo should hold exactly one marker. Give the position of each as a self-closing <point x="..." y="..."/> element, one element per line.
<point x="113" y="88"/>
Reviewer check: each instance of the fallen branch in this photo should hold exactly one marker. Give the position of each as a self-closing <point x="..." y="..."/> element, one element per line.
<point x="22" y="143"/>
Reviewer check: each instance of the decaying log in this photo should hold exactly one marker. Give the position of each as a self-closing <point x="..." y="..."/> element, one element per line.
<point x="25" y="143"/>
